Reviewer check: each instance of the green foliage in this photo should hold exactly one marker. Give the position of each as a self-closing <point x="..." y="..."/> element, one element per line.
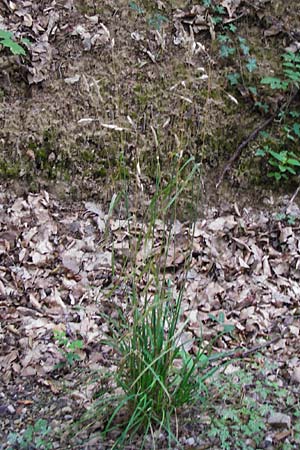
<point x="69" y="348"/>
<point x="275" y="83"/>
<point x="291" y="73"/>
<point x="289" y="218"/>
<point x="251" y="65"/>
<point x="157" y="375"/>
<point x="247" y="398"/>
<point x="285" y="162"/>
<point x="156" y="19"/>
<point x="233" y="78"/>
<point x="229" y="42"/>
<point x="33" y="437"/>
<point x="6" y="40"/>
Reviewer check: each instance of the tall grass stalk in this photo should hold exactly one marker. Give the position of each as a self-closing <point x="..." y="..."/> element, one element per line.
<point x="156" y="377"/>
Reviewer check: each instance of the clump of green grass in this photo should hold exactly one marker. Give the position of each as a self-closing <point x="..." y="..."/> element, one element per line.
<point x="157" y="376"/>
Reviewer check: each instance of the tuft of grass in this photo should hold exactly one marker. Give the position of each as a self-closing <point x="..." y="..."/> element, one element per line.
<point x="157" y="375"/>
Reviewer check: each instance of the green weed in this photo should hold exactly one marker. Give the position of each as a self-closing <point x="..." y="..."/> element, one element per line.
<point x="33" y="437"/>
<point x="247" y="398"/>
<point x="285" y="162"/>
<point x="7" y="40"/>
<point x="68" y="349"/>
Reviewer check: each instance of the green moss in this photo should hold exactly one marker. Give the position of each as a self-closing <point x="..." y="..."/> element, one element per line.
<point x="100" y="172"/>
<point x="9" y="169"/>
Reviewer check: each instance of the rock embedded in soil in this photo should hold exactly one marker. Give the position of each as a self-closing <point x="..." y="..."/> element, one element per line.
<point x="280" y="420"/>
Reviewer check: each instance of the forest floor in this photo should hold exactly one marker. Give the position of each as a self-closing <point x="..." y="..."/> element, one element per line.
<point x="104" y="96"/>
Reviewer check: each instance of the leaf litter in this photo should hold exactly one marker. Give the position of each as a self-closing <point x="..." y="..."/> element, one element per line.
<point x="56" y="274"/>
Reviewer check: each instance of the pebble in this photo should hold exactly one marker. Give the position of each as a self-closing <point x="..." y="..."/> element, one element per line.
<point x="11" y="409"/>
<point x="296" y="375"/>
<point x="190" y="441"/>
<point x="279" y="420"/>
<point x="66" y="410"/>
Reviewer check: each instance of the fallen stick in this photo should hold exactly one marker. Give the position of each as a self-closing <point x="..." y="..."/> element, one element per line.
<point x="244" y="144"/>
<point x="253" y="135"/>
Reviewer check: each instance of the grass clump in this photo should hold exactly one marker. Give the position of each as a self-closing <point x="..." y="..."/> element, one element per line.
<point x="157" y="375"/>
<point x="161" y="368"/>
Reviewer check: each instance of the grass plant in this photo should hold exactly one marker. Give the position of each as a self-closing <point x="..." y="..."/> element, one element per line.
<point x="157" y="374"/>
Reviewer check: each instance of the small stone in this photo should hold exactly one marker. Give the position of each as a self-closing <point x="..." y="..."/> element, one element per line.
<point x="11" y="409"/>
<point x="279" y="420"/>
<point x="190" y="441"/>
<point x="296" y="374"/>
<point x="66" y="410"/>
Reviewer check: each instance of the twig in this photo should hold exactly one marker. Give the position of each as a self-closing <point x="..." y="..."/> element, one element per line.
<point x="243" y="354"/>
<point x="244" y="144"/>
<point x="293" y="198"/>
<point x="240" y="353"/>
<point x="253" y="136"/>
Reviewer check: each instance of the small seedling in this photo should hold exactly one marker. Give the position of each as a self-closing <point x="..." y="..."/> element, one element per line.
<point x="33" y="437"/>
<point x="285" y="162"/>
<point x="68" y="348"/>
<point x="7" y="40"/>
<point x="289" y="218"/>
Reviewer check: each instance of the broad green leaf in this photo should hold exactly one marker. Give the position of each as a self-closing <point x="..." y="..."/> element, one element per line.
<point x="275" y="83"/>
<point x="15" y="48"/>
<point x="260" y="152"/>
<point x="282" y="156"/>
<point x="293" y="162"/>
<point x="275" y="175"/>
<point x="226" y="51"/>
<point x="245" y="49"/>
<point x="233" y="78"/>
<point x="26" y="41"/>
<point x="5" y="34"/>
<point x="232" y="28"/>
<point x="228" y="328"/>
<point x="282" y="168"/>
<point x="296" y="129"/>
<point x="223" y="38"/>
<point x="253" y="89"/>
<point x="251" y="64"/>
<point x="291" y="170"/>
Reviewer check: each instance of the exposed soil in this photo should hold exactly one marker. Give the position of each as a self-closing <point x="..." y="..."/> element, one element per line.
<point x="99" y="66"/>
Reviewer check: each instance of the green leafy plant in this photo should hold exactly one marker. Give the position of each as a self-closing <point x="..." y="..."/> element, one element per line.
<point x="7" y="40"/>
<point x="291" y="72"/>
<point x="233" y="78"/>
<point x="247" y="398"/>
<point x="289" y="218"/>
<point x="68" y="348"/>
<point x="229" y="42"/>
<point x="33" y="437"/>
<point x="156" y="19"/>
<point x="285" y="162"/>
<point x="157" y="375"/>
